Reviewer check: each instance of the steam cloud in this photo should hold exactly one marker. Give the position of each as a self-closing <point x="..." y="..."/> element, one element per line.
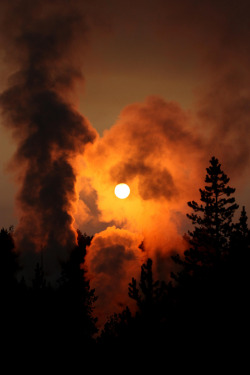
<point x="42" y="44"/>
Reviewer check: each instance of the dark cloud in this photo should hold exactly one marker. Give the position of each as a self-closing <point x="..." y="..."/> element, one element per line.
<point x="157" y="184"/>
<point x="218" y="33"/>
<point x="111" y="259"/>
<point x="41" y="42"/>
<point x="154" y="182"/>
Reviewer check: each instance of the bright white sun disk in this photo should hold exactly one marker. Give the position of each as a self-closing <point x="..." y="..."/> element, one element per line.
<point x="122" y="191"/>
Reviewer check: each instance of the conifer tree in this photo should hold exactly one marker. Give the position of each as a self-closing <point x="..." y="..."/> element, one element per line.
<point x="205" y="281"/>
<point x="238" y="267"/>
<point x="212" y="220"/>
<point x="77" y="297"/>
<point x="150" y="292"/>
<point x="151" y="297"/>
<point x="240" y="240"/>
<point x="39" y="281"/>
<point x="214" y="226"/>
<point x="147" y="324"/>
<point x="9" y="259"/>
<point x="241" y="228"/>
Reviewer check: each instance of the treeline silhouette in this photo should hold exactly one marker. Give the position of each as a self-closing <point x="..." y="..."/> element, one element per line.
<point x="203" y="308"/>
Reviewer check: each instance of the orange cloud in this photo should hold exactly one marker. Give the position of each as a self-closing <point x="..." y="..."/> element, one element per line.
<point x="154" y="149"/>
<point x="113" y="258"/>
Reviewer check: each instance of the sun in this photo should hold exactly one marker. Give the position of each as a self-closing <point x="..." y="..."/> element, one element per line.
<point x="122" y="191"/>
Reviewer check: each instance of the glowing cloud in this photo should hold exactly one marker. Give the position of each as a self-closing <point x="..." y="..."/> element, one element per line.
<point x="151" y="148"/>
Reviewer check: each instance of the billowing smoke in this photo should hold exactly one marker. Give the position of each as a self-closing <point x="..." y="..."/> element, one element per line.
<point x="113" y="258"/>
<point x="158" y="151"/>
<point x="155" y="150"/>
<point x="42" y="40"/>
<point x="155" y="146"/>
<point x="162" y="151"/>
<point x="216" y="34"/>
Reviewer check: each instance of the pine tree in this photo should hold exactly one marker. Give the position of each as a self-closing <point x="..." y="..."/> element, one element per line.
<point x="239" y="255"/>
<point x="76" y="297"/>
<point x="241" y="234"/>
<point x="148" y="323"/>
<point x="212" y="219"/>
<point x="9" y="258"/>
<point x="152" y="301"/>
<point x="238" y="268"/>
<point x="39" y="281"/>
<point x="218" y="210"/>
<point x="205" y="281"/>
<point x="117" y="330"/>
<point x="8" y="261"/>
<point x="149" y="292"/>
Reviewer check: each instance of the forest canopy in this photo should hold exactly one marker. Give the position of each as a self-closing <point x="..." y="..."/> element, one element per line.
<point x="206" y="297"/>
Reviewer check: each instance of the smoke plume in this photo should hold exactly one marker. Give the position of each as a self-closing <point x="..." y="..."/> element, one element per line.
<point x="114" y="257"/>
<point x="216" y="34"/>
<point x="159" y="149"/>
<point x="155" y="150"/>
<point x="43" y="40"/>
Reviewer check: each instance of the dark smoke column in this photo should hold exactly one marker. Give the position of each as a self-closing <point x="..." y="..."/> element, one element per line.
<point x="42" y="40"/>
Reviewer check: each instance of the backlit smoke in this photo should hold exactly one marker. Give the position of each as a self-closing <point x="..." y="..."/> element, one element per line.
<point x="159" y="150"/>
<point x="43" y="41"/>
<point x="216" y="34"/>
<point x="113" y="258"/>
<point x="153" y="149"/>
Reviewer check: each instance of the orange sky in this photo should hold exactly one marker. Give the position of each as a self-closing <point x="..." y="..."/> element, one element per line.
<point x="166" y="86"/>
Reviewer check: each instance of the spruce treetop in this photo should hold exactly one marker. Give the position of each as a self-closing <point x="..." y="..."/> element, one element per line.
<point x="213" y="228"/>
<point x="212" y="218"/>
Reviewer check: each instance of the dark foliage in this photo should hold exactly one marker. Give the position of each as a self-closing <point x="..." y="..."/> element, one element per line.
<point x="205" y="310"/>
<point x="212" y="220"/>
<point x="202" y="314"/>
<point x="148" y="325"/>
<point x="9" y="258"/>
<point x="209" y="286"/>
<point x="75" y="298"/>
<point x="58" y="318"/>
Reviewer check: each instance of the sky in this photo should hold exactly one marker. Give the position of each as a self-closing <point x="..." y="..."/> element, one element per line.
<point x="94" y="93"/>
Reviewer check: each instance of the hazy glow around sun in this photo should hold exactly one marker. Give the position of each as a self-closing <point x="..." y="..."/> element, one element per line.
<point x="122" y="191"/>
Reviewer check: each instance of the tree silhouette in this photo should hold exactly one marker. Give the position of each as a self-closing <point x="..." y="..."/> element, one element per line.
<point x="207" y="286"/>
<point x="208" y="302"/>
<point x="39" y="281"/>
<point x="12" y="292"/>
<point x="155" y="306"/>
<point x="9" y="261"/>
<point x="149" y="293"/>
<point x="212" y="220"/>
<point x="76" y="299"/>
<point x="240" y="239"/>
<point x="117" y="331"/>
<point x="148" y="323"/>
<point x="9" y="258"/>
<point x="238" y="260"/>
